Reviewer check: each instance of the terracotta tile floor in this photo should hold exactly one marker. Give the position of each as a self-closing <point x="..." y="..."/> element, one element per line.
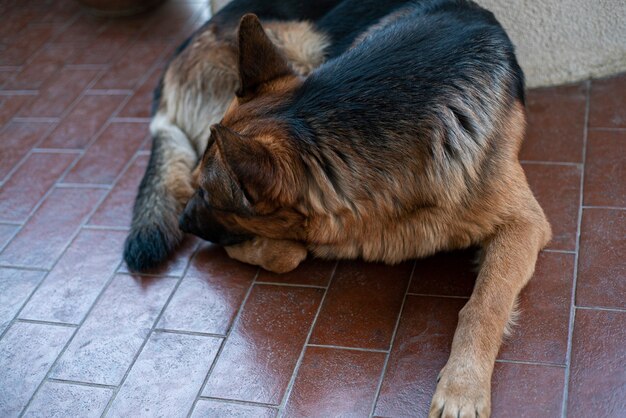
<point x="207" y="336"/>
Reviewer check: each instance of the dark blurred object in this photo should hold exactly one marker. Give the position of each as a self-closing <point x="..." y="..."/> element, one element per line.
<point x="114" y="8"/>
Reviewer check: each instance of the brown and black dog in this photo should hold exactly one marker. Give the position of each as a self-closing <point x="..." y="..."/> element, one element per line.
<point x="199" y="83"/>
<point x="404" y="145"/>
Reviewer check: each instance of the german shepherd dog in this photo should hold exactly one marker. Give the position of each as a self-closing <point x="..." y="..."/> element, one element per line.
<point x="200" y="82"/>
<point x="403" y="145"/>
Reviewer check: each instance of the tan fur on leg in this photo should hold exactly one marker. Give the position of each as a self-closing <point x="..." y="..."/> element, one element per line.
<point x="464" y="385"/>
<point x="278" y="256"/>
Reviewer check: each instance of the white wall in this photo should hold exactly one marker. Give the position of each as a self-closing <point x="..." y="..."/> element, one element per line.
<point x="560" y="41"/>
<point x="565" y="40"/>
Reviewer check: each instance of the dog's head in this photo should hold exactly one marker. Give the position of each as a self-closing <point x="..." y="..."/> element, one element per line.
<point x="248" y="179"/>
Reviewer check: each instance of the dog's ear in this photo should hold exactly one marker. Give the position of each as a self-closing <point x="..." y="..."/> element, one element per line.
<point x="249" y="162"/>
<point x="259" y="59"/>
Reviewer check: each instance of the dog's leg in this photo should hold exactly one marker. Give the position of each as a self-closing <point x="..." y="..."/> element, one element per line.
<point x="464" y="384"/>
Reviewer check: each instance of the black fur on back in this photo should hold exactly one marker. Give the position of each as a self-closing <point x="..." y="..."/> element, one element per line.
<point x="442" y="52"/>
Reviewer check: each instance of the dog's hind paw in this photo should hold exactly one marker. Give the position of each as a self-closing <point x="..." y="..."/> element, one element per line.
<point x="146" y="248"/>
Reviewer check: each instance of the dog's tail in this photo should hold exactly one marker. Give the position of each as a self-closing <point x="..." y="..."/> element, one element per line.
<point x="163" y="193"/>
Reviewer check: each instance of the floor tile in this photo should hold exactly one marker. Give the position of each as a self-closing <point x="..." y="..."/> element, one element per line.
<point x="132" y="67"/>
<point x="544" y="311"/>
<point x="82" y="30"/>
<point x="61" y="400"/>
<point x="26" y="353"/>
<point x="166" y="377"/>
<point x="140" y="105"/>
<point x="446" y="274"/>
<point x="58" y="93"/>
<point x="43" y="65"/>
<point x="420" y="350"/>
<point x="117" y="208"/>
<point x="113" y="41"/>
<point x="312" y="272"/>
<point x="27" y="42"/>
<point x="258" y="358"/>
<point x="83" y="121"/>
<point x="598" y="377"/>
<point x="15" y="287"/>
<point x="17" y="139"/>
<point x="209" y="296"/>
<point x="605" y="169"/>
<point x="334" y="382"/>
<point x="21" y="193"/>
<point x="360" y="309"/>
<point x="6" y="76"/>
<point x="6" y="233"/>
<point x="15" y="20"/>
<point x="527" y="391"/>
<point x="49" y="230"/>
<point x="607" y="103"/>
<point x="557" y="189"/>
<point x="11" y="104"/>
<point x="601" y="262"/>
<point x="76" y="280"/>
<point x="213" y="408"/>
<point x="556" y="118"/>
<point x="106" y="157"/>
<point x="112" y="334"/>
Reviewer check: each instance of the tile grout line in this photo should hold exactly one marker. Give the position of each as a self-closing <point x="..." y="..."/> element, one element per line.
<point x="296" y="369"/>
<point x="550" y="250"/>
<point x="150" y="332"/>
<point x="437" y="296"/>
<point x="223" y="342"/>
<point x="36" y="150"/>
<point x="601" y="308"/>
<point x="342" y="347"/>
<point x="83" y="185"/>
<point x="393" y="338"/>
<point x="79" y="383"/>
<point x="238" y="402"/>
<point x="561" y="163"/>
<point x="572" y="317"/>
<point x="597" y="128"/>
<point x="530" y="363"/>
<point x="185" y="332"/>
<point x="603" y="207"/>
<point x="41" y="322"/>
<point x="310" y="286"/>
<point x="8" y="266"/>
<point x="115" y="228"/>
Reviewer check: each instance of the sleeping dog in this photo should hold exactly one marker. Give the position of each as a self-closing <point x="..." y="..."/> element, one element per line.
<point x="404" y="144"/>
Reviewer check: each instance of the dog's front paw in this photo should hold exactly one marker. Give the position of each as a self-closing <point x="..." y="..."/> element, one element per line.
<point x="461" y="394"/>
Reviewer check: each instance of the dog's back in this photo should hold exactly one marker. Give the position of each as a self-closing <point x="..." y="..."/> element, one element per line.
<point x="421" y="101"/>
